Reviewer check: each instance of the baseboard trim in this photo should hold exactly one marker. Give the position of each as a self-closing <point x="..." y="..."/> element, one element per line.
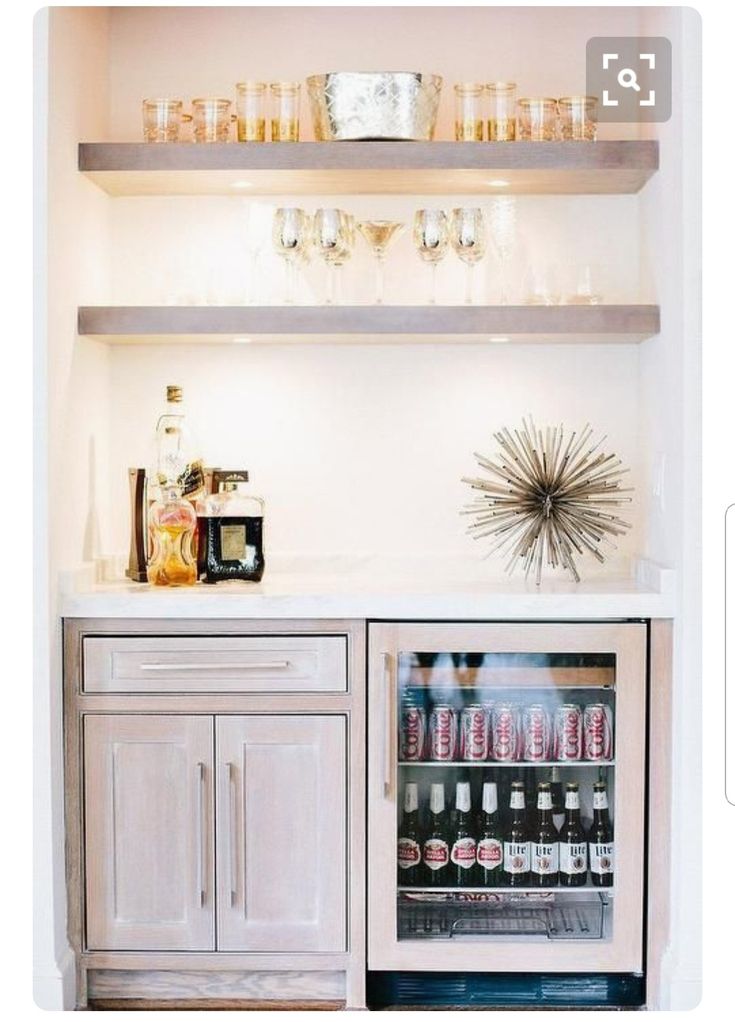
<point x="56" y="990"/>
<point x="213" y="1004"/>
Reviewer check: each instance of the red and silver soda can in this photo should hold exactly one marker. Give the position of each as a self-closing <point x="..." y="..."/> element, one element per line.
<point x="488" y="706"/>
<point x="598" y="731"/>
<point x="505" y="732"/>
<point x="568" y="732"/>
<point x="413" y="733"/>
<point x="536" y="732"/>
<point x="473" y="733"/>
<point x="442" y="732"/>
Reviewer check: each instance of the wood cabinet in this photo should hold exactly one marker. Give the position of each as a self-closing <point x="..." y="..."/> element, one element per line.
<point x="149" y="836"/>
<point x="281" y="830"/>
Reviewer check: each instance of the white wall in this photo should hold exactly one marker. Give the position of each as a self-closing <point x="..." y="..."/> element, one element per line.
<point x="71" y="424"/>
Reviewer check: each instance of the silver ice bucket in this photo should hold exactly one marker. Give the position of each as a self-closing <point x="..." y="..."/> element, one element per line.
<point x="351" y="105"/>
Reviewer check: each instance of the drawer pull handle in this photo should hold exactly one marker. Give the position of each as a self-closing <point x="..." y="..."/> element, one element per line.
<point x="200" y="830"/>
<point x="231" y="838"/>
<point x="271" y="665"/>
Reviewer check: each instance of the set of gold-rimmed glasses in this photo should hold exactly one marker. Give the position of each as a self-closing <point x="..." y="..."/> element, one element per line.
<point x="331" y="234"/>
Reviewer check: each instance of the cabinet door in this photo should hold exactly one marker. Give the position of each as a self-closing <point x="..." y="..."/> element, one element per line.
<point x="281" y="833"/>
<point x="567" y="705"/>
<point x="149" y="825"/>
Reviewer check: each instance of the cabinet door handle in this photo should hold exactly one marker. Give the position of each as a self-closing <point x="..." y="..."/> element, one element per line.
<point x="231" y="837"/>
<point x="387" y="726"/>
<point x="201" y="885"/>
<point x="269" y="665"/>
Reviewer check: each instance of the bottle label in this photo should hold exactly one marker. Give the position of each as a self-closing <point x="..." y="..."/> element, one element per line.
<point x="544" y="800"/>
<point x="232" y="542"/>
<point x="489" y="853"/>
<point x="516" y="856"/>
<point x="464" y="852"/>
<point x="409" y="853"/>
<point x="572" y="857"/>
<point x="602" y="858"/>
<point x="599" y="800"/>
<point x="544" y="858"/>
<point x="436" y="853"/>
<point x="517" y="800"/>
<point x="572" y="800"/>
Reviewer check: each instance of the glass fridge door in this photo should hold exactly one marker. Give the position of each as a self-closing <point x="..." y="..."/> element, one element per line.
<point x="512" y="787"/>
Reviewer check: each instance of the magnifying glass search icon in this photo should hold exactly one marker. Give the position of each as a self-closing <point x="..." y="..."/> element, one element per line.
<point x="628" y="79"/>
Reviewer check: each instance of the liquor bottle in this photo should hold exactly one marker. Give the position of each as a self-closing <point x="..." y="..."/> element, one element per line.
<point x="409" y="839"/>
<point x="435" y="850"/>
<point x="601" y="839"/>
<point x="172" y="524"/>
<point x="490" y="839"/>
<point x="572" y="843"/>
<point x="516" y="852"/>
<point x="232" y="533"/>
<point x="544" y="843"/>
<point x="463" y="851"/>
<point x="177" y="461"/>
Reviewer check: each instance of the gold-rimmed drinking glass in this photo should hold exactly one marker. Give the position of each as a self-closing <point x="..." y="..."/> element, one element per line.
<point x="469" y="119"/>
<point x="334" y="240"/>
<point x="285" y="98"/>
<point x="212" y="119"/>
<point x="578" y="118"/>
<point x="162" y="119"/>
<point x="292" y="233"/>
<point x="501" y="120"/>
<point x="431" y="237"/>
<point x="469" y="240"/>
<point x="537" y="119"/>
<point x="250" y="103"/>
<point x="380" y="235"/>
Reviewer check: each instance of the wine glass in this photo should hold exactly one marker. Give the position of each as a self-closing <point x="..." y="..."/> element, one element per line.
<point x="380" y="234"/>
<point x="291" y="239"/>
<point x="431" y="236"/>
<point x="469" y="241"/>
<point x="334" y="238"/>
<point x="502" y="219"/>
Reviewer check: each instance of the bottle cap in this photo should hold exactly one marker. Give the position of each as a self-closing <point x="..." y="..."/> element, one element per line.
<point x="463" y="796"/>
<point x="436" y="802"/>
<point x="490" y="797"/>
<point x="411" y="797"/>
<point x="174" y="394"/>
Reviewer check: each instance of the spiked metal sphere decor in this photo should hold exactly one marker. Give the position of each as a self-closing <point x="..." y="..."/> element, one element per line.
<point x="548" y="496"/>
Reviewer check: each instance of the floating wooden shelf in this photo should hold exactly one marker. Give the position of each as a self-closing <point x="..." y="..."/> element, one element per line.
<point x="343" y="168"/>
<point x="560" y="324"/>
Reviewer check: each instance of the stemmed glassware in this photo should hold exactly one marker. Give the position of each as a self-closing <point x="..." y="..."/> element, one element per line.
<point x="502" y="222"/>
<point x="380" y="235"/>
<point x="469" y="241"/>
<point x="292" y="235"/>
<point x="431" y="237"/>
<point x="334" y="239"/>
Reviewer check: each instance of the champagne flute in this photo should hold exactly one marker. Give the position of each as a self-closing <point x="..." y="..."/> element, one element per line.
<point x="380" y="234"/>
<point x="430" y="236"/>
<point x="469" y="241"/>
<point x="334" y="238"/>
<point x="503" y="217"/>
<point x="291" y="239"/>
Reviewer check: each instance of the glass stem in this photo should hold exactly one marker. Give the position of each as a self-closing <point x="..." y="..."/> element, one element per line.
<point x="290" y="281"/>
<point x="432" y="284"/>
<point x="379" y="280"/>
<point x="503" y="291"/>
<point x="469" y="280"/>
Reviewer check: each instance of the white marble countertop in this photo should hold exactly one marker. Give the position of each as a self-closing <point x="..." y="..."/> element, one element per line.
<point x="357" y="592"/>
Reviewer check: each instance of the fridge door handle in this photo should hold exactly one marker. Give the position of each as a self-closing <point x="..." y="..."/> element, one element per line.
<point x="201" y="887"/>
<point x="388" y="728"/>
<point x="231" y="839"/>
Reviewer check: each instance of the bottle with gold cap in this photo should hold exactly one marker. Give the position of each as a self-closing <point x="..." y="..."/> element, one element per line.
<point x="231" y="531"/>
<point x="177" y="460"/>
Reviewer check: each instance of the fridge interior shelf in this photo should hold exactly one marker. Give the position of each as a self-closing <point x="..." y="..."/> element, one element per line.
<point x="547" y="917"/>
<point x="492" y="763"/>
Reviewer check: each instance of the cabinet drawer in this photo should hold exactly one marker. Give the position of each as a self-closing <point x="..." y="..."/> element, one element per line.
<point x="277" y="663"/>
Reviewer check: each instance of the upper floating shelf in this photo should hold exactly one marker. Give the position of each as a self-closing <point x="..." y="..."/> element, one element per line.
<point x="343" y="168"/>
<point x="555" y="324"/>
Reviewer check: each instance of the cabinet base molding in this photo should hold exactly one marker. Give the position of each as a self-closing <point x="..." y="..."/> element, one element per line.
<point x="212" y="989"/>
<point x="215" y="1004"/>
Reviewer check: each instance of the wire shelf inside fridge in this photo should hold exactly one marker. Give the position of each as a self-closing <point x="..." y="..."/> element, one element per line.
<point x="540" y="916"/>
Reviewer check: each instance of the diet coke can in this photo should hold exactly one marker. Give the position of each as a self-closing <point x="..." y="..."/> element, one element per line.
<point x="442" y="732"/>
<point x="536" y="734"/>
<point x="568" y="732"/>
<point x="473" y="733"/>
<point x="505" y="732"/>
<point x="413" y="733"/>
<point x="598" y="731"/>
<point x="488" y="706"/>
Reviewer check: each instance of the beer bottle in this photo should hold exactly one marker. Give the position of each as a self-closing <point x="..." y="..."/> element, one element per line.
<point x="463" y="853"/>
<point x="557" y="798"/>
<point x="572" y="843"/>
<point x="601" y="840"/>
<point x="515" y="843"/>
<point x="409" y="839"/>
<point x="489" y="839"/>
<point x="544" y="842"/>
<point x="435" y="851"/>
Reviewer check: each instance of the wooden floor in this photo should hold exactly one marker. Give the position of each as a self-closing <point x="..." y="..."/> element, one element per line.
<point x="209" y="1004"/>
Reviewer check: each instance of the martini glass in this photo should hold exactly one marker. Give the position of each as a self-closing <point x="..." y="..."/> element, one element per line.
<point x="380" y="234"/>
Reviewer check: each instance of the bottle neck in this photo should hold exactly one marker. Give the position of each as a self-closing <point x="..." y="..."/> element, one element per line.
<point x="436" y="804"/>
<point x="489" y="798"/>
<point x="518" y="803"/>
<point x="411" y="800"/>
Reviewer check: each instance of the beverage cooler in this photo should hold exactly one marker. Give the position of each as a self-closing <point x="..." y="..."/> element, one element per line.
<point x="506" y="829"/>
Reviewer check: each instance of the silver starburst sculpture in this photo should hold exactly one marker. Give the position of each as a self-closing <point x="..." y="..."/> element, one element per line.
<point x="548" y="497"/>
